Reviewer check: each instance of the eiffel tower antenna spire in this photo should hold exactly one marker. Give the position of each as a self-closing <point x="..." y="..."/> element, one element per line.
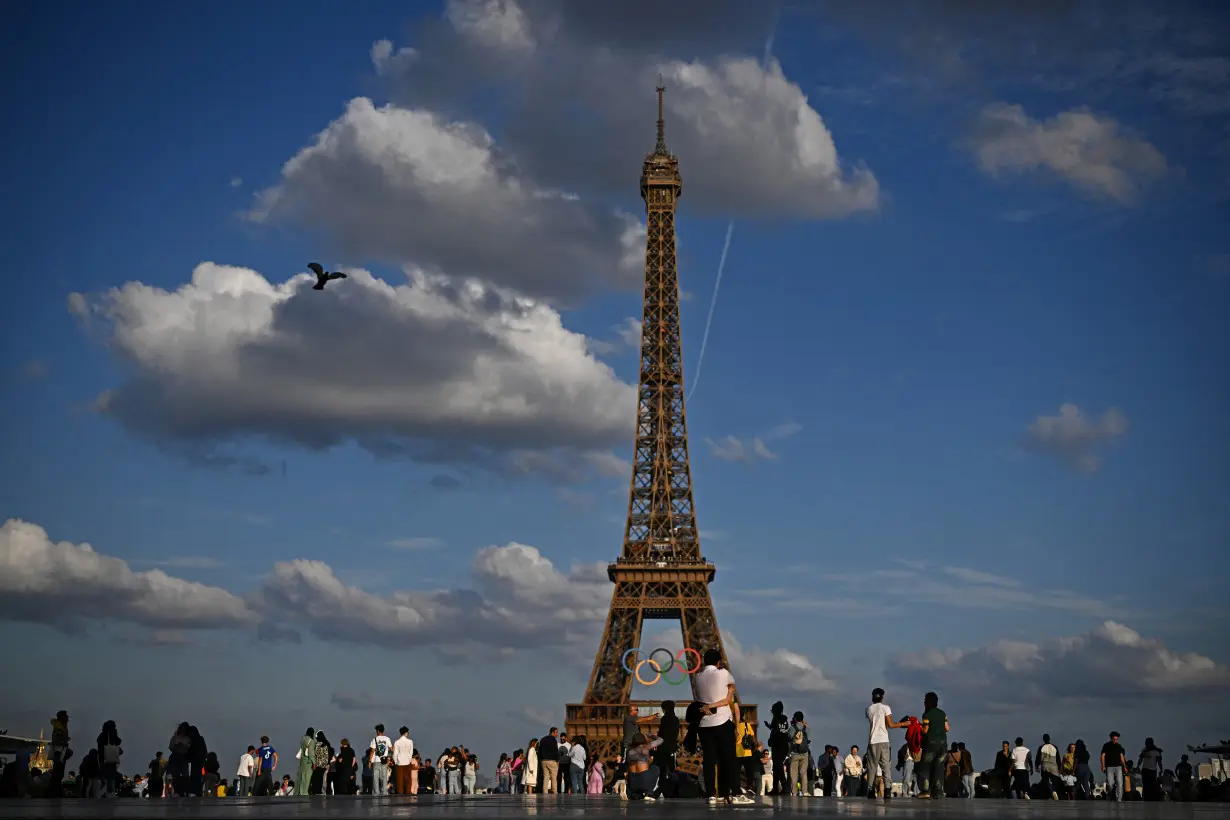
<point x="660" y="148"/>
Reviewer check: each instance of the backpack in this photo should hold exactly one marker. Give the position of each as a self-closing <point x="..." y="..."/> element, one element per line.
<point x="564" y="754"/>
<point x="798" y="743"/>
<point x="382" y="751"/>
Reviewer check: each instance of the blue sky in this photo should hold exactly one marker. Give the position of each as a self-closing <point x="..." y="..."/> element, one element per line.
<point x="997" y="334"/>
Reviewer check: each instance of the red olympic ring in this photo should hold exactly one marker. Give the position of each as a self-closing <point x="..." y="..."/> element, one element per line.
<point x="699" y="661"/>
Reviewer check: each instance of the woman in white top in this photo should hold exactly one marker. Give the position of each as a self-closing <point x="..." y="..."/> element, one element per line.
<point x="530" y="778"/>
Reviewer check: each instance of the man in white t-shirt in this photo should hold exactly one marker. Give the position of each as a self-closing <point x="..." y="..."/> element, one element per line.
<point x="715" y="687"/>
<point x="403" y="754"/>
<point x="381" y="751"/>
<point x="247" y="766"/>
<point x="879" y="747"/>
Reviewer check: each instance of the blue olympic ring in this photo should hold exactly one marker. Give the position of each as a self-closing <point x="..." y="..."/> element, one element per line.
<point x="677" y="659"/>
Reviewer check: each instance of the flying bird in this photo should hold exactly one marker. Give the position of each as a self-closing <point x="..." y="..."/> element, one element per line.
<point x="322" y="277"/>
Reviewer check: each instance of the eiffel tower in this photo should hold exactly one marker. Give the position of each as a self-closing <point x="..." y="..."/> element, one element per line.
<point x="660" y="574"/>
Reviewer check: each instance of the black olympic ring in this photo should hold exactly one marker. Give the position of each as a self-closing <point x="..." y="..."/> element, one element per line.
<point x="676" y="660"/>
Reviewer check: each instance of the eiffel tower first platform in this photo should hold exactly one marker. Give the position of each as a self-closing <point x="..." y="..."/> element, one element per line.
<point x="661" y="573"/>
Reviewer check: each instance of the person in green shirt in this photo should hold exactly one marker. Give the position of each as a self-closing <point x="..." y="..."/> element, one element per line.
<point x="935" y="748"/>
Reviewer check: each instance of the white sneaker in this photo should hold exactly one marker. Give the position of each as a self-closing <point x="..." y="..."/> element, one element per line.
<point x="649" y="798"/>
<point x="741" y="800"/>
<point x="713" y="801"/>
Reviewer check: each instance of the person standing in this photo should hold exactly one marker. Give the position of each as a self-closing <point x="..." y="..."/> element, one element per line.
<point x="1114" y="761"/>
<point x="548" y="760"/>
<point x="935" y="748"/>
<point x="1022" y="767"/>
<point x="715" y="687"/>
<point x="266" y="764"/>
<point x="879" y="746"/>
<point x="403" y="759"/>
<point x="157" y="770"/>
<point x="307" y="758"/>
<point x="1150" y="765"/>
<point x="379" y="751"/>
<point x="747" y="750"/>
<point x="800" y="755"/>
<point x="247" y="763"/>
<point x="1048" y="767"/>
<point x="967" y="771"/>
<point x="779" y="746"/>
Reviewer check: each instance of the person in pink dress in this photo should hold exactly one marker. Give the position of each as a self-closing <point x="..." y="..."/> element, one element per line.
<point x="597" y="775"/>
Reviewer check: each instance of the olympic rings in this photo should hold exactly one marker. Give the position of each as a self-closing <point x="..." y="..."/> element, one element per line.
<point x="677" y="659"/>
<point x="657" y="670"/>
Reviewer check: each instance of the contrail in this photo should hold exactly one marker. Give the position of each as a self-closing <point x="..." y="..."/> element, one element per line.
<point x="730" y="231"/>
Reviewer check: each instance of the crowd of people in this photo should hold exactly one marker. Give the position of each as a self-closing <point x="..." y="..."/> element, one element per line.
<point x="735" y="765"/>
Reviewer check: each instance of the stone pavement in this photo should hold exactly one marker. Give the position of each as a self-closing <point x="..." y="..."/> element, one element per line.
<point x="500" y="807"/>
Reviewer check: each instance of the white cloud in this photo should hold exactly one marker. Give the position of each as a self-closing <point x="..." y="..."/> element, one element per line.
<point x="386" y="61"/>
<point x="1110" y="661"/>
<point x="410" y="186"/>
<point x="1073" y="437"/>
<point x="236" y="182"/>
<point x="730" y="448"/>
<point x="78" y="306"/>
<point x="1091" y="152"/>
<point x="748" y="138"/>
<point x="435" y="369"/>
<point x="493" y="23"/>
<point x="518" y="600"/>
<point x="757" y="671"/>
<point x="68" y="584"/>
<point x="775" y="672"/>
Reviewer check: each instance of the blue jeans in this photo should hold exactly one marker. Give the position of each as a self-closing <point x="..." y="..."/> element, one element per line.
<point x="643" y="783"/>
<point x="967" y="782"/>
<point x="907" y="778"/>
<point x="1084" y="782"/>
<point x="1114" y="783"/>
<point x="931" y="771"/>
<point x="505" y="786"/>
<point x="454" y="781"/>
<point x="578" y="778"/>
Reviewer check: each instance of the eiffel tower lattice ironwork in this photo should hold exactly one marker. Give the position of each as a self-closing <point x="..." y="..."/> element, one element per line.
<point x="661" y="573"/>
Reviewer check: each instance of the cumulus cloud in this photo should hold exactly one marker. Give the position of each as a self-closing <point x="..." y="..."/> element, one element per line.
<point x="518" y="599"/>
<point x="66" y="584"/>
<point x="748" y="138"/>
<point x="433" y="369"/>
<point x="1091" y="152"/>
<point x="730" y="448"/>
<point x="411" y="186"/>
<point x="1073" y="437"/>
<point x="1110" y="661"/>
<point x="757" y="671"/>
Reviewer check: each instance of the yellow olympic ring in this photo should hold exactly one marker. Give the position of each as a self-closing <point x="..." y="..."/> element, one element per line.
<point x="657" y="669"/>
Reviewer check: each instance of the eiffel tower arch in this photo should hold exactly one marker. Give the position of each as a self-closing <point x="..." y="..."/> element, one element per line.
<point x="660" y="573"/>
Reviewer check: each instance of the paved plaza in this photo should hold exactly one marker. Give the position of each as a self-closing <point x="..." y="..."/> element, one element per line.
<point x="592" y="808"/>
